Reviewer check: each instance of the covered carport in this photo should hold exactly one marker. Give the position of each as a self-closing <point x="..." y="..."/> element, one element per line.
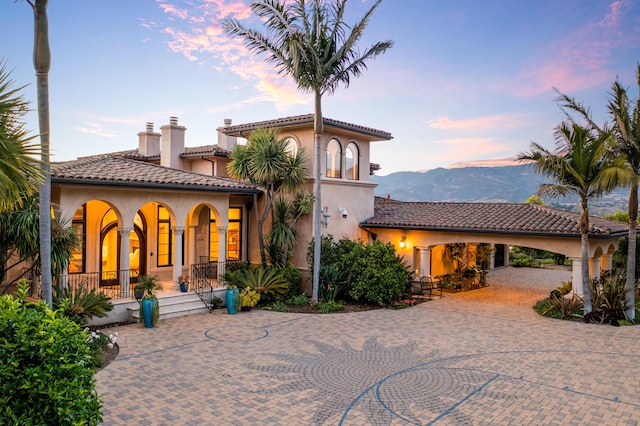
<point x="417" y="227"/>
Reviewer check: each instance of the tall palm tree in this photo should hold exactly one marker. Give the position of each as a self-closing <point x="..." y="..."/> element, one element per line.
<point x="19" y="171"/>
<point x="580" y="166"/>
<point x="310" y="41"/>
<point x="626" y="128"/>
<point x="265" y="162"/>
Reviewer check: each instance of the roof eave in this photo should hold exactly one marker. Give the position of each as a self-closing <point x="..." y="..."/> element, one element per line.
<point x="166" y="186"/>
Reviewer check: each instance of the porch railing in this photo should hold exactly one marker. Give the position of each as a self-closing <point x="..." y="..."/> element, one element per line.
<point x="114" y="284"/>
<point x="204" y="275"/>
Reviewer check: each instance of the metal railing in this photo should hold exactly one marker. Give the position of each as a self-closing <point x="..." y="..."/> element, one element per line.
<point x="204" y="275"/>
<point x="114" y="284"/>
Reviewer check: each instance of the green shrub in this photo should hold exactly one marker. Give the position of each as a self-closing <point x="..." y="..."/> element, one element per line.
<point x="375" y="273"/>
<point x="293" y="276"/>
<point x="298" y="300"/>
<point x="565" y="287"/>
<point x="216" y="302"/>
<point x="80" y="304"/>
<point x="328" y="307"/>
<point x="275" y="306"/>
<point x="46" y="374"/>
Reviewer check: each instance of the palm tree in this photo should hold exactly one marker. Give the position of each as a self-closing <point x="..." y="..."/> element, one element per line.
<point x="311" y="42"/>
<point x="265" y="162"/>
<point x="580" y="166"/>
<point x="286" y="213"/>
<point x="626" y="128"/>
<point x="19" y="171"/>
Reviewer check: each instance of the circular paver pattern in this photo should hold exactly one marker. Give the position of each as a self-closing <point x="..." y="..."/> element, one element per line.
<point x="477" y="358"/>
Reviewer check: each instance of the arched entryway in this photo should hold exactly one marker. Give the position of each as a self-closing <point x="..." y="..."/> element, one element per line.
<point x="110" y="248"/>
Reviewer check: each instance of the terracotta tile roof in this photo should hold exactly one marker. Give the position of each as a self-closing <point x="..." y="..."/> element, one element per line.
<point x="299" y="120"/>
<point x="511" y="218"/>
<point x="118" y="171"/>
<point x="189" y="152"/>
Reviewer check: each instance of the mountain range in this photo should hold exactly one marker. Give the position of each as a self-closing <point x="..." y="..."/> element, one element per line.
<point x="512" y="183"/>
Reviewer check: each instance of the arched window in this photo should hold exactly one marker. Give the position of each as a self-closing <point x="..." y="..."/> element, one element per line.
<point x="334" y="159"/>
<point x="292" y="146"/>
<point x="351" y="160"/>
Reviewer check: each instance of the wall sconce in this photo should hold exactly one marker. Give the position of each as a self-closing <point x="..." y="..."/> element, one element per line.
<point x="403" y="242"/>
<point x="326" y="217"/>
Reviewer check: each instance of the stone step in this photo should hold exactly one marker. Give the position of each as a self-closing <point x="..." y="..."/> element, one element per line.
<point x="174" y="304"/>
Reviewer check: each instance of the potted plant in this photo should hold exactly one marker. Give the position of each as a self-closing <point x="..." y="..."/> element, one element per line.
<point x="149" y="307"/>
<point x="183" y="280"/>
<point x="248" y="298"/>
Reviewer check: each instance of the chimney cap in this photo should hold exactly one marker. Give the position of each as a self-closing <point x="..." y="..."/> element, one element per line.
<point x="149" y="127"/>
<point x="227" y="122"/>
<point x="173" y="121"/>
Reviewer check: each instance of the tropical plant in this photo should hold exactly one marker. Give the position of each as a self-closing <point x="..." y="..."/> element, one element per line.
<point x="608" y="295"/>
<point x="19" y="170"/>
<point x="626" y="129"/>
<point x="216" y="302"/>
<point x="266" y="162"/>
<point x="310" y="41"/>
<point x="566" y="308"/>
<point x="46" y="377"/>
<point x="81" y="304"/>
<point x="332" y="282"/>
<point x="270" y="283"/>
<point x="148" y="284"/>
<point x="283" y="234"/>
<point x="19" y="241"/>
<point x="580" y="166"/>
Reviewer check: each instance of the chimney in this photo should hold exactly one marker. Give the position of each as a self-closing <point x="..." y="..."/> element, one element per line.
<point x="224" y="141"/>
<point x="172" y="144"/>
<point x="149" y="142"/>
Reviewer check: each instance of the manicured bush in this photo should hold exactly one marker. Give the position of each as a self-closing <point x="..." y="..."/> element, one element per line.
<point x="46" y="374"/>
<point x="375" y="273"/>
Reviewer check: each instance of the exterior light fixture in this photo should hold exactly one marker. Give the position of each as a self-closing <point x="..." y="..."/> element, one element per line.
<point x="403" y="242"/>
<point x="326" y="217"/>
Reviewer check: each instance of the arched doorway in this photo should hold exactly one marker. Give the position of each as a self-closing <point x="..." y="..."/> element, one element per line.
<point x="110" y="249"/>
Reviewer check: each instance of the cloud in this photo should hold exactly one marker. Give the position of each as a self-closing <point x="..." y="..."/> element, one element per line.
<point x="94" y="129"/>
<point x="580" y="61"/>
<point x="504" y="121"/>
<point x="196" y="33"/>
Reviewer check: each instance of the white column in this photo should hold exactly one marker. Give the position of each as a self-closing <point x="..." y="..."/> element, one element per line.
<point x="492" y="257"/>
<point x="425" y="260"/>
<point x="125" y="263"/>
<point x="594" y="268"/>
<point x="606" y="262"/>
<point x="177" y="254"/>
<point x="191" y="242"/>
<point x="576" y="275"/>
<point x="222" y="252"/>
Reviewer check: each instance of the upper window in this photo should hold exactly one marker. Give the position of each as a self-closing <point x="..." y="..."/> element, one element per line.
<point x="351" y="160"/>
<point x="334" y="159"/>
<point x="292" y="146"/>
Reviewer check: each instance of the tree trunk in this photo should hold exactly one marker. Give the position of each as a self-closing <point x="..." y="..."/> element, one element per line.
<point x="318" y="129"/>
<point x="42" y="63"/>
<point x="259" y="222"/>
<point x="586" y="283"/>
<point x="631" y="252"/>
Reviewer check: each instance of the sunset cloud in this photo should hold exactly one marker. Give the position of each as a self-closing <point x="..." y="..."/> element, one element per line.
<point x="95" y="129"/>
<point x="505" y="121"/>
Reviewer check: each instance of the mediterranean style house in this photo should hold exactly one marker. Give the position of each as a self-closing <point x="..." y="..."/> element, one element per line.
<point x="164" y="207"/>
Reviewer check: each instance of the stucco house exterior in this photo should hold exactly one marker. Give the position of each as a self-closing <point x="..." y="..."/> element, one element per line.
<point x="162" y="207"/>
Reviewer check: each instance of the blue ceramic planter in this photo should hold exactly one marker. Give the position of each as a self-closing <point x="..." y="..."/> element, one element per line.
<point x="233" y="299"/>
<point x="148" y="306"/>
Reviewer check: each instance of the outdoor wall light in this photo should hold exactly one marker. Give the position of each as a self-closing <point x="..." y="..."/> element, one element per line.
<point x="403" y="242"/>
<point x="326" y="217"/>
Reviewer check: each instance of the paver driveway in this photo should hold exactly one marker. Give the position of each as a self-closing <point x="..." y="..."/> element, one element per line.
<point x="475" y="358"/>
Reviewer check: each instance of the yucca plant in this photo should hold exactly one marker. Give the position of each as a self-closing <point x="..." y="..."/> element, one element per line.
<point x="81" y="304"/>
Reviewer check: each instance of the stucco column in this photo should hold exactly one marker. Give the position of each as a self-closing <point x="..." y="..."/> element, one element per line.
<point x="507" y="249"/>
<point x="606" y="262"/>
<point x="492" y="257"/>
<point x="177" y="254"/>
<point x="125" y="263"/>
<point x="191" y="242"/>
<point x="424" y="254"/>
<point x="594" y="268"/>
<point x="576" y="276"/>
<point x="222" y="252"/>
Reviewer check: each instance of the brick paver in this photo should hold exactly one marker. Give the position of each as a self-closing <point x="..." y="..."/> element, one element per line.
<point x="476" y="358"/>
